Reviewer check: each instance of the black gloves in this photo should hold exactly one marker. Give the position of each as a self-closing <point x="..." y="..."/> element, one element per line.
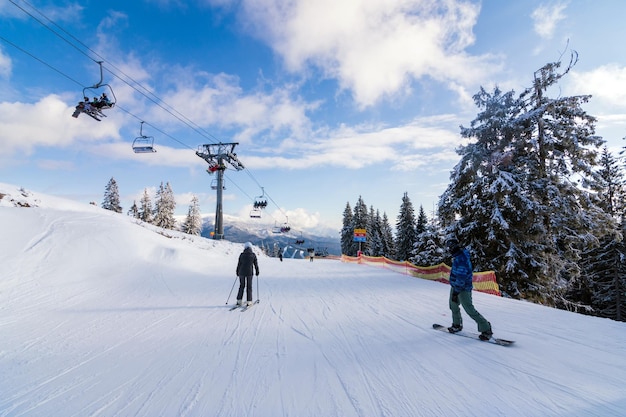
<point x="455" y="297"/>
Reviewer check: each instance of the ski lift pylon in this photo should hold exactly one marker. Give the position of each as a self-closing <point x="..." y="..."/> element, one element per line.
<point x="143" y="143"/>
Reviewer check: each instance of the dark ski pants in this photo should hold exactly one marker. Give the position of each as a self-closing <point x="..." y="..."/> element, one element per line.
<point x="465" y="300"/>
<point x="245" y="282"/>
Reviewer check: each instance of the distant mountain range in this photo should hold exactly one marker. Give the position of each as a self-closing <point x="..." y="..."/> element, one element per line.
<point x="294" y="243"/>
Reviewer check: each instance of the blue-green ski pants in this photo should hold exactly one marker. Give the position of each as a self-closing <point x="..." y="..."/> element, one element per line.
<point x="465" y="300"/>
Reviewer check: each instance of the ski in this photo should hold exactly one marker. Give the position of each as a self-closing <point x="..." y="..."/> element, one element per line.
<point x="234" y="307"/>
<point x="495" y="341"/>
<point x="247" y="307"/>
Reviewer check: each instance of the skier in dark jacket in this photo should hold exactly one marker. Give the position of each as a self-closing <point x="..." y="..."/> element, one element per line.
<point x="245" y="268"/>
<point x="461" y="291"/>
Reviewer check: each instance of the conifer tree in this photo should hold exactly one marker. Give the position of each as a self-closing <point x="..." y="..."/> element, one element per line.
<point x="193" y="221"/>
<point x="374" y="233"/>
<point x="347" y="232"/>
<point x="112" y="197"/>
<point x="388" y="250"/>
<point x="145" y="210"/>
<point x="164" y="208"/>
<point x="601" y="288"/>
<point x="361" y="221"/>
<point x="429" y="247"/>
<point x="406" y="236"/>
<point x="513" y="198"/>
<point x="134" y="211"/>
<point x="422" y="221"/>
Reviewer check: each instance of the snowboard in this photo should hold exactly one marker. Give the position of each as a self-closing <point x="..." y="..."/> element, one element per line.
<point x="495" y="341"/>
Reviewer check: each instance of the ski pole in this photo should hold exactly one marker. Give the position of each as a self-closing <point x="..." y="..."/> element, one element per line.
<point x="258" y="298"/>
<point x="231" y="290"/>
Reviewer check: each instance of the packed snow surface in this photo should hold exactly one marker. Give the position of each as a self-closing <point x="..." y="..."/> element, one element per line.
<point x="103" y="316"/>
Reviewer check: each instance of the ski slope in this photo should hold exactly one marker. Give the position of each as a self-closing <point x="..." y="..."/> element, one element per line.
<point x="101" y="316"/>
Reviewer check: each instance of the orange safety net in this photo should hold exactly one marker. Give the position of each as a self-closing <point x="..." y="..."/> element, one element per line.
<point x="483" y="281"/>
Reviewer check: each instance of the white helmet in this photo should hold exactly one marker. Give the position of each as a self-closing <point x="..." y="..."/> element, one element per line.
<point x="247" y="245"/>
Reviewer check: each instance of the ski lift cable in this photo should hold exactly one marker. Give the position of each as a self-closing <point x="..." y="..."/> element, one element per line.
<point x="154" y="127"/>
<point x="39" y="60"/>
<point x="156" y="100"/>
<point x="231" y="181"/>
<point x="51" y="30"/>
<point x="134" y="85"/>
<point x="265" y="192"/>
<point x="80" y="84"/>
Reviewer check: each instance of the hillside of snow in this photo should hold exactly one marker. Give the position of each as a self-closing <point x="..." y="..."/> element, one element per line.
<point x="103" y="316"/>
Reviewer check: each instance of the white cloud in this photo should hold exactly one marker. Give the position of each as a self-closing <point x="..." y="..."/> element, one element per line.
<point x="546" y="17"/>
<point x="374" y="48"/>
<point x="606" y="84"/>
<point x="6" y="65"/>
<point x="48" y="122"/>
<point x="403" y="147"/>
<point x="221" y="103"/>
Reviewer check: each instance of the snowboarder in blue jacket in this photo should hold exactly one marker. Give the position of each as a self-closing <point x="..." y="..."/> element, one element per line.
<point x="461" y="291"/>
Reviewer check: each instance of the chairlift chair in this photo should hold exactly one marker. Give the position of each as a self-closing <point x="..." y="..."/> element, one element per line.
<point x="143" y="143"/>
<point x="260" y="202"/>
<point x="285" y="227"/>
<point x="99" y="89"/>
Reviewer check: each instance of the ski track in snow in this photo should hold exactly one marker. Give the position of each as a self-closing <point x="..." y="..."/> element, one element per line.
<point x="102" y="317"/>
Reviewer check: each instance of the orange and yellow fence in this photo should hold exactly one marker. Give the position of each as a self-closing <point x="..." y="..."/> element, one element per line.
<point x="483" y="281"/>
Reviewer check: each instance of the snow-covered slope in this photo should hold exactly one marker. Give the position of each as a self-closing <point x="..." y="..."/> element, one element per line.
<point x="101" y="316"/>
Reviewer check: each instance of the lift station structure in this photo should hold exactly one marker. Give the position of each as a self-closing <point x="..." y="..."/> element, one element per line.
<point x="217" y="156"/>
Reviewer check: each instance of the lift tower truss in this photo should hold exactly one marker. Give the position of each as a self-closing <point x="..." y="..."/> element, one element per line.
<point x="217" y="156"/>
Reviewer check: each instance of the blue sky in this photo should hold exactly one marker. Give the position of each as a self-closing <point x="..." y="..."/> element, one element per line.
<point x="328" y="100"/>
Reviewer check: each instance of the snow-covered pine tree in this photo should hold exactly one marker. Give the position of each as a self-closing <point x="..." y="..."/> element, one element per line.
<point x="485" y="205"/>
<point x="429" y="247"/>
<point x="145" y="210"/>
<point x="347" y="232"/>
<point x="193" y="221"/>
<point x="164" y="208"/>
<point x="602" y="285"/>
<point x="387" y="238"/>
<point x="133" y="211"/>
<point x="374" y="233"/>
<point x="610" y="186"/>
<point x="514" y="199"/>
<point x="564" y="154"/>
<point x="421" y="222"/>
<point x="360" y="220"/>
<point x="405" y="230"/>
<point x="112" y="197"/>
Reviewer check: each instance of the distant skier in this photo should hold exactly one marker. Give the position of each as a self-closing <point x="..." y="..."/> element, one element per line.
<point x="245" y="267"/>
<point x="461" y="291"/>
